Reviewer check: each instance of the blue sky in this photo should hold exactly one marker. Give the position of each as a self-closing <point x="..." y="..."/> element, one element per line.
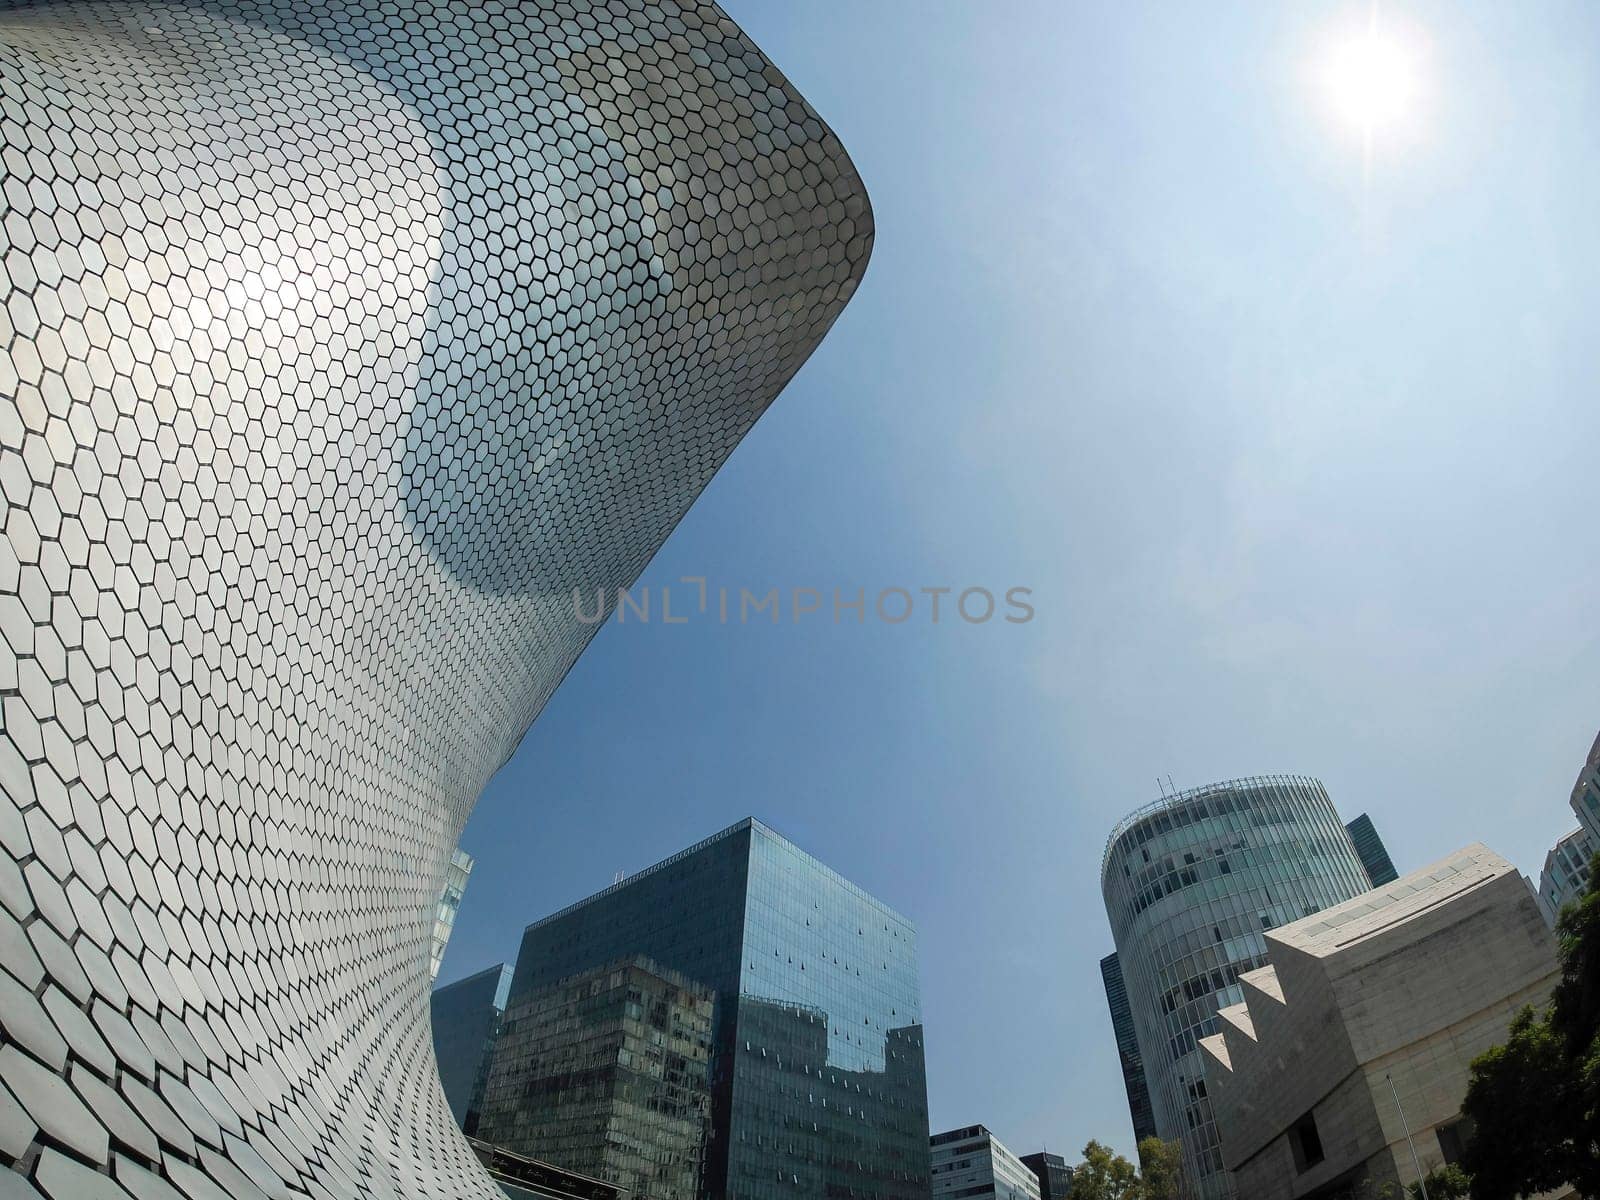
<point x="1298" y="460"/>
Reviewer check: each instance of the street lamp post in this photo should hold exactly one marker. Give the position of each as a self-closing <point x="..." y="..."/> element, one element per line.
<point x="1415" y="1161"/>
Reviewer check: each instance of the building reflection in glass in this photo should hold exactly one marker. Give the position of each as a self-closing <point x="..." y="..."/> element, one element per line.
<point x="818" y="1085"/>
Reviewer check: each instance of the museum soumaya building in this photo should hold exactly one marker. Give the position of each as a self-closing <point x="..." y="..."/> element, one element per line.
<point x="342" y="343"/>
<point x="1191" y="883"/>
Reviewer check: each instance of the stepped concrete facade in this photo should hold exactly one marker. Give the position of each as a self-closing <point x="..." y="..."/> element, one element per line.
<point x="1361" y="1027"/>
<point x="1192" y="884"/>
<point x="341" y="345"/>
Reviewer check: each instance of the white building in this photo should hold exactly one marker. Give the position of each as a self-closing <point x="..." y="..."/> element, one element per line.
<point x="444" y="917"/>
<point x="1566" y="872"/>
<point x="1566" y="867"/>
<point x="1347" y="1063"/>
<point x="1586" y="794"/>
<point x="972" y="1162"/>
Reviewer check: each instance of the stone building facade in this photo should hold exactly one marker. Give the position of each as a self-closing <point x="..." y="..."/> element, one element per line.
<point x="1345" y="1066"/>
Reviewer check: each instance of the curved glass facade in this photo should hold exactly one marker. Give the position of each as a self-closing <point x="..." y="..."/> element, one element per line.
<point x="341" y="346"/>
<point x="1191" y="882"/>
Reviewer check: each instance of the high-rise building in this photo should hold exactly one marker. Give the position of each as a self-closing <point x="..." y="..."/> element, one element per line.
<point x="1566" y="872"/>
<point x="1133" y="1080"/>
<point x="466" y="1019"/>
<point x="1191" y="883"/>
<point x="817" y="1077"/>
<point x="606" y="1073"/>
<point x="1566" y="867"/>
<point x="1374" y="854"/>
<point x="1348" y="1056"/>
<point x="973" y="1162"/>
<point x="1053" y="1174"/>
<point x="444" y="917"/>
<point x="1586" y="794"/>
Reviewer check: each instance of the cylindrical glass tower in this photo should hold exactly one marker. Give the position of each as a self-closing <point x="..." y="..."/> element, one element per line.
<point x="1190" y="884"/>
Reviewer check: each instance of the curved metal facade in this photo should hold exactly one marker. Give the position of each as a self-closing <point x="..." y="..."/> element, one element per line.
<point x="1190" y="883"/>
<point x="341" y="344"/>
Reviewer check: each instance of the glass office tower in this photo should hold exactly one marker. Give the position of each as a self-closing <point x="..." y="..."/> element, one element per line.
<point x="605" y="1073"/>
<point x="1191" y="883"/>
<point x="1374" y="854"/>
<point x="1586" y="794"/>
<point x="817" y="1079"/>
<point x="1053" y="1174"/>
<point x="1133" y="1081"/>
<point x="466" y="1019"/>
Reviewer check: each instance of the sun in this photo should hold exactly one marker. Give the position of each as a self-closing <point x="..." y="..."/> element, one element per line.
<point x="1371" y="76"/>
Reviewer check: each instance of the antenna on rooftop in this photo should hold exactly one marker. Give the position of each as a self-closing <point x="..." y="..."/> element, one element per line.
<point x="619" y="877"/>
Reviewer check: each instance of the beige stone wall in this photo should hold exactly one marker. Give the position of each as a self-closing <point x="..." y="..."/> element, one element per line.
<point x="1350" y="1134"/>
<point x="1412" y="981"/>
<point x="1431" y="1074"/>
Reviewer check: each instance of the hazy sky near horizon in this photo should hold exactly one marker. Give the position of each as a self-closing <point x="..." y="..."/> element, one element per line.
<point x="1299" y="459"/>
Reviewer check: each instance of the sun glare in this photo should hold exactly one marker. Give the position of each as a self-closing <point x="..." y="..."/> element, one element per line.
<point x="1371" y="79"/>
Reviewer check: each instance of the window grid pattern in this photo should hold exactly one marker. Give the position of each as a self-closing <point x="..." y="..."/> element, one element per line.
<point x="1586" y="795"/>
<point x="444" y="920"/>
<point x="606" y="1073"/>
<point x="1566" y="872"/>
<point x="1374" y="854"/>
<point x="830" y="1091"/>
<point x="1133" y="1081"/>
<point x="1566" y="867"/>
<point x="465" y="1018"/>
<point x="1191" y="884"/>
<point x="818" y="1082"/>
<point x="972" y="1162"/>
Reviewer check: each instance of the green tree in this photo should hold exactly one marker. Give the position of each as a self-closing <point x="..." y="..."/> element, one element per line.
<point x="1104" y="1175"/>
<point x="1161" y="1169"/>
<point x="1368" y="1189"/>
<point x="1534" y="1102"/>
<point x="1448" y="1182"/>
<point x="1516" y="1101"/>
